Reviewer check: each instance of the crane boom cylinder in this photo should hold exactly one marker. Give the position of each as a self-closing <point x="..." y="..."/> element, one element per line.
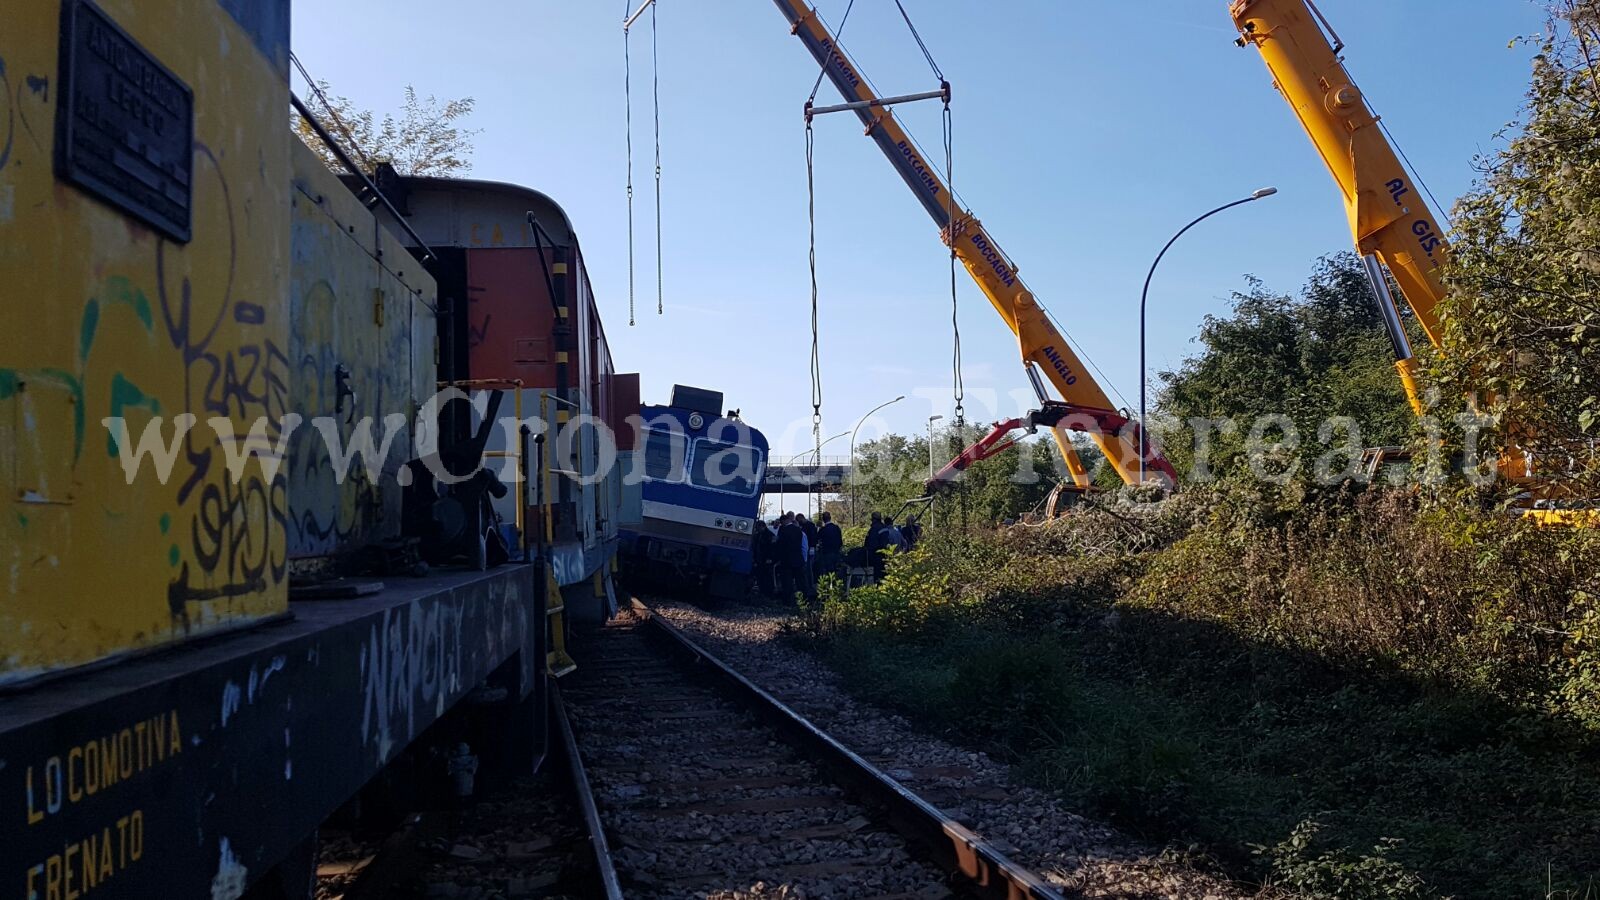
<point x="1404" y="362"/>
<point x="1386" y="308"/>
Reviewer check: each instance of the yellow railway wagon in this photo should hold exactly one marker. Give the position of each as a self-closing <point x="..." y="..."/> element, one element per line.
<point x="145" y="204"/>
<point x="362" y="337"/>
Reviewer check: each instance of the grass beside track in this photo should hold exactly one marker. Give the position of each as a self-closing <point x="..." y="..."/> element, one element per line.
<point x="1345" y="775"/>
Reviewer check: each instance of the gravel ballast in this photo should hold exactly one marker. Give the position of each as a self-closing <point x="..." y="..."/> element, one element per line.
<point x="1032" y="826"/>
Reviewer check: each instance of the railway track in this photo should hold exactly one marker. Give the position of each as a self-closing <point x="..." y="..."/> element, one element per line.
<point x="700" y="784"/>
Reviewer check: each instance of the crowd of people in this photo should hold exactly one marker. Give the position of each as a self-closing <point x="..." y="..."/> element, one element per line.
<point x="792" y="552"/>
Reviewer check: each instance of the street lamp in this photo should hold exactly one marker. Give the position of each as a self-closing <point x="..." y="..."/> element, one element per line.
<point x="1145" y="296"/>
<point x="815" y="451"/>
<point x="825" y="443"/>
<point x="817" y="454"/>
<point x="853" y="451"/>
<point x="788" y="472"/>
<point x="931" y="420"/>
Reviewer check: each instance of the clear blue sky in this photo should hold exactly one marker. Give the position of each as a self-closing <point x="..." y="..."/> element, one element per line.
<point x="1085" y="134"/>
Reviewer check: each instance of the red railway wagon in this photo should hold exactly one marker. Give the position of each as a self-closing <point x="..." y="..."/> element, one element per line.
<point x="517" y="307"/>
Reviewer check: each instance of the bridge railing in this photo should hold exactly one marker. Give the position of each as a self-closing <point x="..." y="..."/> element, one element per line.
<point x="806" y="460"/>
<point x="804" y="475"/>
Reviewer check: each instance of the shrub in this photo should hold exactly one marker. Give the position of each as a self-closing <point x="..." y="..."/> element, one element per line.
<point x="1339" y="874"/>
<point x="1421" y="674"/>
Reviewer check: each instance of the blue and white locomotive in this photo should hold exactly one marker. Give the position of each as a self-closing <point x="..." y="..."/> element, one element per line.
<point x="701" y="474"/>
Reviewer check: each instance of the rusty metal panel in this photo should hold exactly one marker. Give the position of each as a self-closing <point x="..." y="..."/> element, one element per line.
<point x="510" y="316"/>
<point x="105" y="318"/>
<point x="361" y="337"/>
<point x="624" y="406"/>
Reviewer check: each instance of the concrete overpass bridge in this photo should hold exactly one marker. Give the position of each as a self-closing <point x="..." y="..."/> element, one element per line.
<point x="828" y="477"/>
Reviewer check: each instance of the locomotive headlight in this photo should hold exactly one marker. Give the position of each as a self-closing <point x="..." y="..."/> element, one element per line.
<point x="744" y="525"/>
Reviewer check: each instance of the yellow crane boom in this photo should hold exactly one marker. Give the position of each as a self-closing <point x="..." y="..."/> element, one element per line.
<point x="1043" y="347"/>
<point x="1389" y="218"/>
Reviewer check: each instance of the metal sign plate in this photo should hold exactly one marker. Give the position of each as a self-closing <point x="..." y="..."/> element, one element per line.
<point x="125" y="123"/>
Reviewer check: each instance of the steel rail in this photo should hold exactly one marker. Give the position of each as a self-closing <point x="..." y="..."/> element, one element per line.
<point x="981" y="867"/>
<point x="606" y="871"/>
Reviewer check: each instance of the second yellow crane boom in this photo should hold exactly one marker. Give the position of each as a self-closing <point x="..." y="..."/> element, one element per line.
<point x="1389" y="218"/>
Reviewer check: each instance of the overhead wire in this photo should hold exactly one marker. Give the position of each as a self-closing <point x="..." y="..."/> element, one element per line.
<point x="627" y="92"/>
<point x="655" y="92"/>
<point x="918" y="37"/>
<point x="1438" y="210"/>
<point x="959" y="386"/>
<point x="1083" y="355"/>
<point x="811" y="215"/>
<point x="947" y="120"/>
<point x="838" y="38"/>
<point x="816" y="322"/>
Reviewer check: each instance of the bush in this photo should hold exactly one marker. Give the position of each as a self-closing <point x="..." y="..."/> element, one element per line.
<point x="1478" y="600"/>
<point x="1339" y="874"/>
<point x="1423" y="677"/>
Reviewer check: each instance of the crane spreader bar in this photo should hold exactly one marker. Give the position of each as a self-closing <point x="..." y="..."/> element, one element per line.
<point x="628" y="23"/>
<point x="942" y="94"/>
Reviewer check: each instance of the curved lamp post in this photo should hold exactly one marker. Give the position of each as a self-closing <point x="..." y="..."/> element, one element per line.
<point x="817" y="455"/>
<point x="1144" y="298"/>
<point x="853" y="451"/>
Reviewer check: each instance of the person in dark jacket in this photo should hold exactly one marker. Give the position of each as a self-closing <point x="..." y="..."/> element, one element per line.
<point x="830" y="547"/>
<point x="893" y="540"/>
<point x="765" y="560"/>
<point x="792" y="562"/>
<point x="809" y="527"/>
<point x="912" y="532"/>
<point x="875" y="543"/>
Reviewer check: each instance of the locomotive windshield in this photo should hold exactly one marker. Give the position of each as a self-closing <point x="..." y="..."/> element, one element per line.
<point x="734" y="468"/>
<point x="665" y="453"/>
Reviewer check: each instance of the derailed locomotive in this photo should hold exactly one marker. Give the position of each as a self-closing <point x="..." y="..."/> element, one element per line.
<point x="702" y="473"/>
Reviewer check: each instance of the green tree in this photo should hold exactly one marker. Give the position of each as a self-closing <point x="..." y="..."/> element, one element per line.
<point x="425" y="139"/>
<point x="894" y="469"/>
<point x="1309" y="358"/>
<point x="1522" y="324"/>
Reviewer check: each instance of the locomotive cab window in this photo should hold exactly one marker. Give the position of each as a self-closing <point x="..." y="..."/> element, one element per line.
<point x="732" y="468"/>
<point x="665" y="455"/>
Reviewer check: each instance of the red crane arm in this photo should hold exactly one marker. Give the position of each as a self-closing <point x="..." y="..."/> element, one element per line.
<point x="1053" y="415"/>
